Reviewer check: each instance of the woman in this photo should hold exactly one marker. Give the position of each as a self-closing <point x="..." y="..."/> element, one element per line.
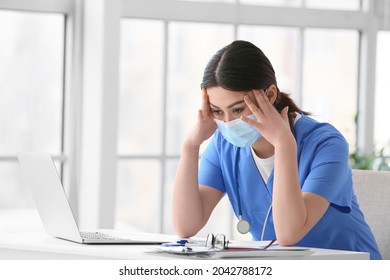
<point x="287" y="176"/>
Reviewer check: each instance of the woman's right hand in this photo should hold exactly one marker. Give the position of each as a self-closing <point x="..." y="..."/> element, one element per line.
<point x="205" y="126"/>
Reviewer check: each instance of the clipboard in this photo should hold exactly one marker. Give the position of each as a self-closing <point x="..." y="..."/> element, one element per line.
<point x="237" y="249"/>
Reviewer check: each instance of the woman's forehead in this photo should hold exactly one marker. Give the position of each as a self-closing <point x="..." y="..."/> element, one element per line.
<point x="221" y="97"/>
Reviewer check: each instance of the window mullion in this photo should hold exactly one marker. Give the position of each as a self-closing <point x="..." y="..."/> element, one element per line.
<point x="367" y="76"/>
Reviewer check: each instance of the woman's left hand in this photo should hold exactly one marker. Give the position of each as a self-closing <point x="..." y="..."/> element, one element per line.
<point x="274" y="127"/>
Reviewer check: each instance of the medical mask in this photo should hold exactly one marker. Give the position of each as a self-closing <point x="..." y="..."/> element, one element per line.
<point x="238" y="132"/>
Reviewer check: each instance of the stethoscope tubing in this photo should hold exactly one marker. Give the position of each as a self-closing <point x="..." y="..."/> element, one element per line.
<point x="237" y="189"/>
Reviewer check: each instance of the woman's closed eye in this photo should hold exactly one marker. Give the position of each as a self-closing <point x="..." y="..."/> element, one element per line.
<point x="217" y="112"/>
<point x="238" y="110"/>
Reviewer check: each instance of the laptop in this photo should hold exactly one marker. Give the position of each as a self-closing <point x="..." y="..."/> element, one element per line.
<point x="40" y="173"/>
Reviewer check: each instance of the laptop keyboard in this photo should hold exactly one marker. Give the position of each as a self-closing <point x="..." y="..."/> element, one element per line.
<point x="98" y="236"/>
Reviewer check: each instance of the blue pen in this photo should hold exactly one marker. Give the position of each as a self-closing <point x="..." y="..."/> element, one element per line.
<point x="181" y="242"/>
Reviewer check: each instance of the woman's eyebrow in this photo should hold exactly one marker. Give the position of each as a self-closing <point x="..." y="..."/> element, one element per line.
<point x="236" y="103"/>
<point x="231" y="105"/>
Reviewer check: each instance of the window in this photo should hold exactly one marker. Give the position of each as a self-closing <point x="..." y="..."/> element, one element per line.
<point x="31" y="99"/>
<point x="330" y="72"/>
<point x="141" y="87"/>
<point x="282" y="46"/>
<point x="382" y="98"/>
<point x="31" y="81"/>
<point x="140" y="130"/>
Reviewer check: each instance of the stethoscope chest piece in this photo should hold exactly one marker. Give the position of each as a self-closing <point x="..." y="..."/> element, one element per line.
<point x="243" y="226"/>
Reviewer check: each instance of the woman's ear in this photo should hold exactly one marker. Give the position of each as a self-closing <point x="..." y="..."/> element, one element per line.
<point x="272" y="93"/>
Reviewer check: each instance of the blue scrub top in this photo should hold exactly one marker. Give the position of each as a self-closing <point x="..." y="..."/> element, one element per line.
<point x="323" y="167"/>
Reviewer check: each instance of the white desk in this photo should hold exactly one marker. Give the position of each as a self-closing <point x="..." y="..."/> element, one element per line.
<point x="25" y="246"/>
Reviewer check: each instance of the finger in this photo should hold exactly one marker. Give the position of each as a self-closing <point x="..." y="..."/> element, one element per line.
<point x="258" y="95"/>
<point x="249" y="121"/>
<point x="252" y="106"/>
<point x="262" y="100"/>
<point x="284" y="113"/>
<point x="204" y="98"/>
<point x="205" y="102"/>
<point x="200" y="115"/>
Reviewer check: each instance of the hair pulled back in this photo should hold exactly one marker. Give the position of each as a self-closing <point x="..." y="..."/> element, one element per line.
<point x="242" y="66"/>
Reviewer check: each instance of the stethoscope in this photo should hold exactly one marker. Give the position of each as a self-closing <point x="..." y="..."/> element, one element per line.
<point x="243" y="226"/>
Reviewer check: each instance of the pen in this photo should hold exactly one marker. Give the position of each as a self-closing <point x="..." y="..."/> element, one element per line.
<point x="251" y="248"/>
<point x="181" y="242"/>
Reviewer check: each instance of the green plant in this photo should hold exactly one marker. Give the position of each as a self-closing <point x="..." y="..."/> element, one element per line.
<point x="358" y="161"/>
<point x="374" y="161"/>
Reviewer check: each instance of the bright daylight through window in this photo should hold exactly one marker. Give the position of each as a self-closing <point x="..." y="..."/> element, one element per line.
<point x="31" y="98"/>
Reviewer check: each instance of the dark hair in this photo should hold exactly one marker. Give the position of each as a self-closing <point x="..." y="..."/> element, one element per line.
<point x="241" y="66"/>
